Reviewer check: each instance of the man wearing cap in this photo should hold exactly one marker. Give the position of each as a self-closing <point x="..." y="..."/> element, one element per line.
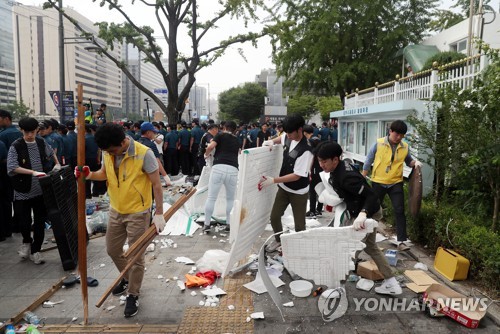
<point x="9" y="132"/>
<point x="148" y="133"/>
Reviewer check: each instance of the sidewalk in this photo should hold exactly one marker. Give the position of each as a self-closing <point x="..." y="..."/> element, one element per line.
<point x="162" y="303"/>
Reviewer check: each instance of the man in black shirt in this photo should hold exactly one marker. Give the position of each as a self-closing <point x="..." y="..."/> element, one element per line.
<point x="361" y="202"/>
<point x="148" y="133"/>
<point x="263" y="135"/>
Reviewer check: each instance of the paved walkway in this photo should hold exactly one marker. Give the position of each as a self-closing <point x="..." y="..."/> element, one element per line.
<point x="161" y="303"/>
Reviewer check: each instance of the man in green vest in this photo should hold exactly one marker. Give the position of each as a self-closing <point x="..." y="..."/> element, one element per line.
<point x="131" y="171"/>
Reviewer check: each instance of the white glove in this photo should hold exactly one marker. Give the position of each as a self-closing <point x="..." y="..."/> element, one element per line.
<point x="57" y="167"/>
<point x="38" y="174"/>
<point x="159" y="222"/>
<point x="418" y="164"/>
<point x="329" y="199"/>
<point x="359" y="222"/>
<point x="265" y="181"/>
<point x="269" y="142"/>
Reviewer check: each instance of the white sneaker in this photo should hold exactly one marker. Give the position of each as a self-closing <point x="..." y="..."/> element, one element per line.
<point x="389" y="288"/>
<point x="37" y="258"/>
<point x="24" y="250"/>
<point x="273" y="246"/>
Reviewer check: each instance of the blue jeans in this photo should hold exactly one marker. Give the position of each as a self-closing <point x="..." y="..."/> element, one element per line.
<point x="221" y="175"/>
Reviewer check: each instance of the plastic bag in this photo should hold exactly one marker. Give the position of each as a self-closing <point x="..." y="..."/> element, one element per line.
<point x="213" y="259"/>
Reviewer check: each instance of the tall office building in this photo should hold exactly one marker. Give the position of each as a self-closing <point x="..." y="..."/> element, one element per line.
<point x="36" y="58"/>
<point x="148" y="75"/>
<point x="275" y="107"/>
<point x="7" y="70"/>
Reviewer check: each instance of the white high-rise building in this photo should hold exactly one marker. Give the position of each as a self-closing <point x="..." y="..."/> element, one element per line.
<point x="36" y="58"/>
<point x="7" y="70"/>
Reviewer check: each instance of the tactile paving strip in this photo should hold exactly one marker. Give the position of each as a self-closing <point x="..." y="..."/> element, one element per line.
<point x="137" y="329"/>
<point x="213" y="320"/>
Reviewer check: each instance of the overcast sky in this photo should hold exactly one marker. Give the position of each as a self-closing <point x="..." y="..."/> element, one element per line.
<point x="228" y="71"/>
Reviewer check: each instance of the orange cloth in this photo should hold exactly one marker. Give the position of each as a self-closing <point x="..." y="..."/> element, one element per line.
<point x="194" y="281"/>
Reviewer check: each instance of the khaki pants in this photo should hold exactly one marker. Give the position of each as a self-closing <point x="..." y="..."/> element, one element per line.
<point x="373" y="250"/>
<point x="120" y="228"/>
<point x="299" y="207"/>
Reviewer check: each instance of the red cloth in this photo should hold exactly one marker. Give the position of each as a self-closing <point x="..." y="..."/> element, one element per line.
<point x="210" y="275"/>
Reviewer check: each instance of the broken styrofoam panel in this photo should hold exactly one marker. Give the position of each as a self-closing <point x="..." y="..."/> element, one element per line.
<point x="252" y="208"/>
<point x="179" y="222"/>
<point x="323" y="254"/>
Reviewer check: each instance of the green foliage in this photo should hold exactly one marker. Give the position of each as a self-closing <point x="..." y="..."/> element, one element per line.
<point x="329" y="47"/>
<point x="443" y="58"/>
<point x="464" y="5"/>
<point x="242" y="104"/>
<point x="444" y="19"/>
<point x="303" y="105"/>
<point x="448" y="226"/>
<point x="19" y="110"/>
<point x="326" y="105"/>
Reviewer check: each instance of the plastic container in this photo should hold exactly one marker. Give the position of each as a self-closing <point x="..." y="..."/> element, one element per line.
<point x="392" y="257"/>
<point x="31" y="318"/>
<point x="451" y="265"/>
<point x="32" y="330"/>
<point x="301" y="288"/>
<point x="10" y="329"/>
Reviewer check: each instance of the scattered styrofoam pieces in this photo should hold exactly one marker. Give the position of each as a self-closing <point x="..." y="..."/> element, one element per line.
<point x="74" y="319"/>
<point x="161" y="263"/>
<point x="160" y="276"/>
<point x="380" y="237"/>
<point x="230" y="307"/>
<point x="309" y="253"/>
<point x="201" y="303"/>
<point x="222" y="241"/>
<point x="102" y="265"/>
<point x="122" y="302"/>
<point x="193" y="293"/>
<point x="213" y="304"/>
<point x="249" y="273"/>
<point x="257" y="315"/>
<point x="174" y="246"/>
<point x="223" y="234"/>
<point x="150" y="248"/>
<point x="181" y="285"/>
<point x="214" y="291"/>
<point x="289" y="304"/>
<point x="274" y="272"/>
<point x="167" y="280"/>
<point x="109" y="308"/>
<point x="258" y="286"/>
<point x="183" y="259"/>
<point x="175" y="278"/>
<point x="365" y="284"/>
<point x="124" y="298"/>
<point x="249" y="319"/>
<point x="214" y="237"/>
<point x="207" y="303"/>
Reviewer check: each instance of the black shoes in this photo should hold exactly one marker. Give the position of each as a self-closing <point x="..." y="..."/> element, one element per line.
<point x="132" y="306"/>
<point x="206" y="229"/>
<point x="120" y="288"/>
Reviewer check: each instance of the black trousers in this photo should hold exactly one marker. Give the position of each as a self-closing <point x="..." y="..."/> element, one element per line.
<point x="313" y="197"/>
<point x="22" y="209"/>
<point x="194" y="159"/>
<point x="397" y="196"/>
<point x="185" y="158"/>
<point x="171" y="162"/>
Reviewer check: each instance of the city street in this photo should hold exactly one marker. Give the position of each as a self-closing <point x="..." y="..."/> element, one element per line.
<point x="165" y="308"/>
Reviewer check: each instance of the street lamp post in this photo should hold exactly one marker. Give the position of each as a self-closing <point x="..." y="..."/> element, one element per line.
<point x="62" y="83"/>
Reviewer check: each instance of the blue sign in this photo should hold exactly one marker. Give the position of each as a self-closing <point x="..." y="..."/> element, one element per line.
<point x="160" y="91"/>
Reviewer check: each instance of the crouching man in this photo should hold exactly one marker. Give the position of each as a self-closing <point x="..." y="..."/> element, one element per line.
<point x="361" y="202"/>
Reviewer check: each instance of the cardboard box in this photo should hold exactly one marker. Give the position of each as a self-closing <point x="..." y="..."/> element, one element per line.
<point x="369" y="270"/>
<point x="451" y="265"/>
<point x="462" y="309"/>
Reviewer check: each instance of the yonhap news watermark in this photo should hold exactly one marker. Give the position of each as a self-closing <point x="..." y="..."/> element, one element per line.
<point x="336" y="304"/>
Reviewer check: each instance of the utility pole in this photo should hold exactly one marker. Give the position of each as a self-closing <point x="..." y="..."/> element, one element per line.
<point x="62" y="84"/>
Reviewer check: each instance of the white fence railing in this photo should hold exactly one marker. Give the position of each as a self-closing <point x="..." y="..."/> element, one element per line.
<point x="421" y="85"/>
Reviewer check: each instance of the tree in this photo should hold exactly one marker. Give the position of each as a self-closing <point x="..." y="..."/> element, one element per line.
<point x="463" y="135"/>
<point x="172" y="16"/>
<point x="445" y="19"/>
<point x="329" y="47"/>
<point x="244" y="104"/>
<point x="326" y="105"/>
<point x="464" y="5"/>
<point x="19" y="110"/>
<point x="304" y="105"/>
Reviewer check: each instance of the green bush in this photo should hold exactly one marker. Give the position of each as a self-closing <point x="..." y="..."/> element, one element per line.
<point x="443" y="58"/>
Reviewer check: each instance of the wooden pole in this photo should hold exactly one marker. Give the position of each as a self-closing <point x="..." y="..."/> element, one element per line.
<point x="82" y="228"/>
<point x="138" y="248"/>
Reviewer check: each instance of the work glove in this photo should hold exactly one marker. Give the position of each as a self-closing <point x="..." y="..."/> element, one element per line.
<point x="85" y="171"/>
<point x="159" y="222"/>
<point x="38" y="174"/>
<point x="264" y="182"/>
<point x="418" y="164"/>
<point x="328" y="198"/>
<point x="359" y="222"/>
<point x="269" y="142"/>
<point x="57" y="167"/>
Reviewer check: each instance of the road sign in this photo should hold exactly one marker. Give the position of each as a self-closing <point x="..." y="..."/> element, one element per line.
<point x="68" y="103"/>
<point x="160" y="91"/>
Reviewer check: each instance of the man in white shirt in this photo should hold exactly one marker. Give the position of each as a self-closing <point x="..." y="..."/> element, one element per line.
<point x="293" y="180"/>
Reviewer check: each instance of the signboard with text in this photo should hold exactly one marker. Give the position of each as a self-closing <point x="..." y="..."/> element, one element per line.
<point x="68" y="104"/>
